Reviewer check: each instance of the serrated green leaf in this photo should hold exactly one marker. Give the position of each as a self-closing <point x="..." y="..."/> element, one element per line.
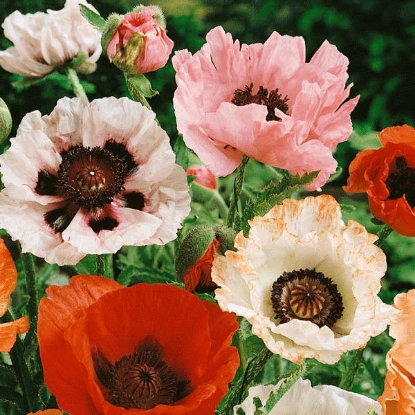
<point x="94" y="18"/>
<point x="274" y="194"/>
<point x="286" y="384"/>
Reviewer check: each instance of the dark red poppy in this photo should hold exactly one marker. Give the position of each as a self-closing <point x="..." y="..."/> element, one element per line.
<point x="149" y="348"/>
<point x="387" y="175"/>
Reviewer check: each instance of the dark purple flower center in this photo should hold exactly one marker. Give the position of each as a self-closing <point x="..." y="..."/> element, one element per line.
<point x="88" y="179"/>
<point x="306" y="295"/>
<point x="271" y="101"/>
<point x="402" y="182"/>
<point x="141" y="380"/>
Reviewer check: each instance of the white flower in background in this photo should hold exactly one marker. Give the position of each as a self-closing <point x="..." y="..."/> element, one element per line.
<point x="306" y="282"/>
<point x="90" y="178"/>
<point x="44" y="41"/>
<point x="303" y="399"/>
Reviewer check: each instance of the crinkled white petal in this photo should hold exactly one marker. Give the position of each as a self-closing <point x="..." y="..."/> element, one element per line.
<point x="25" y="223"/>
<point x="303" y="399"/>
<point x="299" y="235"/>
<point x="74" y="122"/>
<point x="43" y="41"/>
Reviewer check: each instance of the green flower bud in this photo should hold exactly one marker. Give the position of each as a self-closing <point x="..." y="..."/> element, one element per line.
<point x="196" y="254"/>
<point x="5" y="121"/>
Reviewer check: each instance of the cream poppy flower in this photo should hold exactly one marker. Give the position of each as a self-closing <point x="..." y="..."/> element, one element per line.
<point x="303" y="399"/>
<point x="306" y="282"/>
<point x="90" y="178"/>
<point x="44" y="41"/>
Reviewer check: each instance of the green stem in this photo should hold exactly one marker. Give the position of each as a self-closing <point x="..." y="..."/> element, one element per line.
<point x="73" y="79"/>
<point x="220" y="204"/>
<point x="349" y="375"/>
<point x="384" y="232"/>
<point x="238" y="391"/>
<point x="104" y="265"/>
<point x="30" y="273"/>
<point x="235" y="195"/>
<point x="22" y="373"/>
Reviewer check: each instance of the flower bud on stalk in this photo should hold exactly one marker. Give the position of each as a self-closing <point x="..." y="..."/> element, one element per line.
<point x="204" y="185"/>
<point x="5" y="121"/>
<point x="137" y="42"/>
<point x="196" y="254"/>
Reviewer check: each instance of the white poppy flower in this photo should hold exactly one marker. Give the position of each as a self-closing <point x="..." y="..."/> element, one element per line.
<point x="44" y="41"/>
<point x="90" y="178"/>
<point x="306" y="282"/>
<point x="303" y="399"/>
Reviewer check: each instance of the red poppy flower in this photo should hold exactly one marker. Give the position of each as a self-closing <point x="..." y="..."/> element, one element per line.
<point x="149" y="348"/>
<point x="8" y="282"/>
<point x="387" y="175"/>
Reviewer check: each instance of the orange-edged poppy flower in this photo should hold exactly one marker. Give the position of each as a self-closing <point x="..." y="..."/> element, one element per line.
<point x="149" y="348"/>
<point x="8" y="280"/>
<point x="398" y="397"/>
<point x="47" y="412"/>
<point x="387" y="175"/>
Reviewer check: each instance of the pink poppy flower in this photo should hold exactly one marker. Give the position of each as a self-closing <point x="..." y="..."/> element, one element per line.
<point x="265" y="101"/>
<point x="37" y="49"/>
<point x="90" y="178"/>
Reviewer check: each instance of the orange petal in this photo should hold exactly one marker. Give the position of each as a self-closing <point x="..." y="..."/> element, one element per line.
<point x="404" y="329"/>
<point x="47" y="412"/>
<point x="356" y="183"/>
<point x="8" y="277"/>
<point x="8" y="332"/>
<point x="400" y="135"/>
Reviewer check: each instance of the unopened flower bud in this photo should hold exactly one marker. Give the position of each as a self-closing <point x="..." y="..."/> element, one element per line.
<point x="137" y="42"/>
<point x="196" y="254"/>
<point x="204" y="184"/>
<point x="5" y="121"/>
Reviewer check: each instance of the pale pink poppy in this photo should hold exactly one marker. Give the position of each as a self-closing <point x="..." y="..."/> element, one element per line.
<point x="44" y="41"/>
<point x="90" y="178"/>
<point x="302" y="118"/>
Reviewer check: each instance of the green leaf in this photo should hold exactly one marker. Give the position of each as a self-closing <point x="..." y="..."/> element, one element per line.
<point x="182" y="152"/>
<point x="134" y="275"/>
<point x="274" y="194"/>
<point x="139" y="87"/>
<point x="87" y="265"/>
<point x="13" y="397"/>
<point x="94" y="18"/>
<point x="286" y="384"/>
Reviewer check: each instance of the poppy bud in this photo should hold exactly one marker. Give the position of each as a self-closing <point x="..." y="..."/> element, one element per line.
<point x="204" y="184"/>
<point x="137" y="42"/>
<point x="5" y="121"/>
<point x="196" y="254"/>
